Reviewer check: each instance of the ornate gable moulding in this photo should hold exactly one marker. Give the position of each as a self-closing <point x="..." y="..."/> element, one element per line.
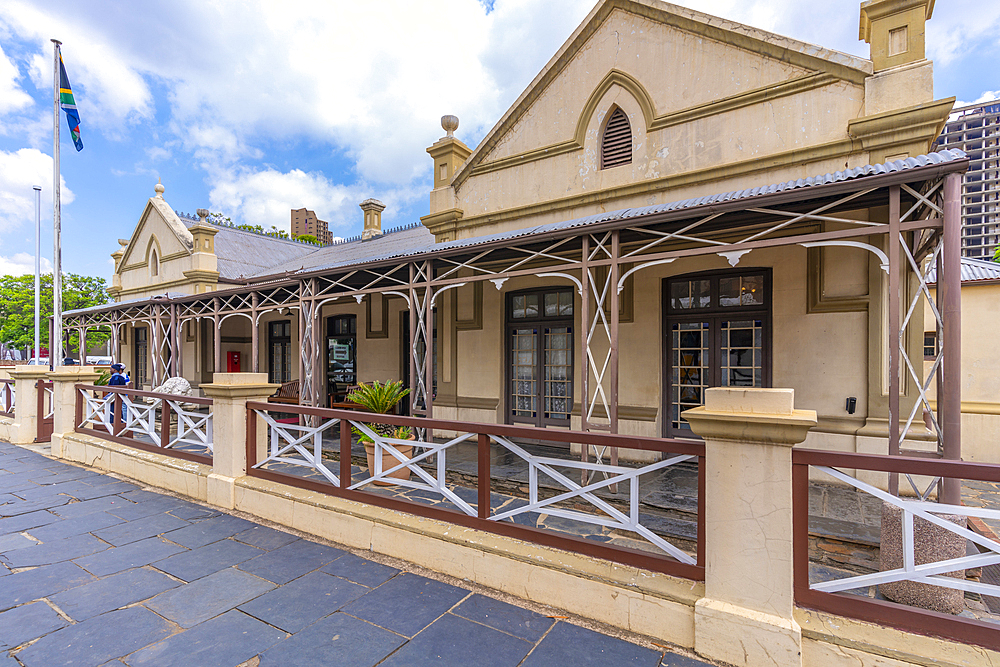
<point x="654" y="122"/>
<point x="835" y="65"/>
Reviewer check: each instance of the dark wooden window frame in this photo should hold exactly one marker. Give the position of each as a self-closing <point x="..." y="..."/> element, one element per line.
<point x="510" y="324"/>
<point x="140" y="379"/>
<point x="715" y="314"/>
<point x="336" y="392"/>
<point x="271" y="340"/>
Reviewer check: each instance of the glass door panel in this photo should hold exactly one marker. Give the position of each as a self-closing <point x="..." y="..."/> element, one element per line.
<point x="558" y="369"/>
<point x="524" y="373"/>
<point x="741" y="353"/>
<point x="689" y="369"/>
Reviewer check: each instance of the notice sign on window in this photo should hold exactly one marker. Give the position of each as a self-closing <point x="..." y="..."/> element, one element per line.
<point x="341" y="352"/>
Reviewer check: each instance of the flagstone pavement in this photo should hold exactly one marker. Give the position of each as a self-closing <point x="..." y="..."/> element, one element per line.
<point x="97" y="571"/>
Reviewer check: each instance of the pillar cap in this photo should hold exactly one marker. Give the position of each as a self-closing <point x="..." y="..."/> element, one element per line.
<point x="71" y="373"/>
<point x="764" y="416"/>
<point x="26" y="372"/>
<point x="239" y="385"/>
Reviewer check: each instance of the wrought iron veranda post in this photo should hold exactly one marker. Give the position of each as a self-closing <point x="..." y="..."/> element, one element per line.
<point x="950" y="281"/>
<point x="254" y="334"/>
<point x="218" y="335"/>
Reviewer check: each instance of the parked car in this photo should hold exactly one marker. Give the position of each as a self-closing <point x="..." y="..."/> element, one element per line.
<point x="98" y="361"/>
<point x="44" y="361"/>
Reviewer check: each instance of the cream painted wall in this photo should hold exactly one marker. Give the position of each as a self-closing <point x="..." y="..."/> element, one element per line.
<point x="699" y="70"/>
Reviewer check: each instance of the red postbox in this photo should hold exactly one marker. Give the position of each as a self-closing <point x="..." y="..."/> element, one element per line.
<point x="232" y="362"/>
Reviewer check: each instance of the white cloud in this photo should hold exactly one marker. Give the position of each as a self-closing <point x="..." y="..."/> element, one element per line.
<point x="960" y="25"/>
<point x="987" y="96"/>
<point x="22" y="264"/>
<point x="12" y="97"/>
<point x="265" y="197"/>
<point x="19" y="172"/>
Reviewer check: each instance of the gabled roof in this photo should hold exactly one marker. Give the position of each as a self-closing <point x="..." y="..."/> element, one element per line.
<point x="241" y="253"/>
<point x="808" y="56"/>
<point x="174" y="224"/>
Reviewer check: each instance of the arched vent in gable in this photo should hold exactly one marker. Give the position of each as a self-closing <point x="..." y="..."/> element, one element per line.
<point x="616" y="144"/>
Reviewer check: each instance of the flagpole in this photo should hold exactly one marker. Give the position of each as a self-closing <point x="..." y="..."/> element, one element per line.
<point x="55" y="345"/>
<point x="38" y="266"/>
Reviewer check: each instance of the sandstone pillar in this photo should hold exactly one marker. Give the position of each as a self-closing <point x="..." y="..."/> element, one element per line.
<point x="229" y="393"/>
<point x="745" y="618"/>
<point x="25" y="427"/>
<point x="64" y="393"/>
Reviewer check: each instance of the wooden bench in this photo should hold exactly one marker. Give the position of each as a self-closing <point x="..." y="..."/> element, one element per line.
<point x="288" y="393"/>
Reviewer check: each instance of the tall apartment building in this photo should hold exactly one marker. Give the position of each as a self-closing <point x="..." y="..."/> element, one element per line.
<point x="305" y="221"/>
<point x="976" y="130"/>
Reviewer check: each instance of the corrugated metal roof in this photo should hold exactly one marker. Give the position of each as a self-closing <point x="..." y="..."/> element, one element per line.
<point x="241" y="250"/>
<point x="973" y="270"/>
<point x="866" y="171"/>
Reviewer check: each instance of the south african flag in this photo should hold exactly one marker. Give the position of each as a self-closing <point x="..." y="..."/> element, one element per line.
<point x="68" y="104"/>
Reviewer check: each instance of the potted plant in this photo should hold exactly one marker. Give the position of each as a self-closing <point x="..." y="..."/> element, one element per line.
<point x="381" y="398"/>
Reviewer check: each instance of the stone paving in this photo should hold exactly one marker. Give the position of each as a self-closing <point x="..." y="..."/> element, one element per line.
<point x="97" y="571"/>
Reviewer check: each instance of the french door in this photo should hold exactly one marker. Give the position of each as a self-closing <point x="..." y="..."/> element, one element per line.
<point x="539" y="342"/>
<point x="717" y="334"/>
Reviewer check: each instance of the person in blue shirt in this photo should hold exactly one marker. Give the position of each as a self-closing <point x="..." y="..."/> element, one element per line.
<point x="119" y="379"/>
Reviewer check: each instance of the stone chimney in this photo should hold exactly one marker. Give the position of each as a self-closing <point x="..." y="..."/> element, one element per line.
<point x="373" y="218"/>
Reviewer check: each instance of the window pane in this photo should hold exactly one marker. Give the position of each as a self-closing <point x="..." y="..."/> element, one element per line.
<point x="566" y="303"/>
<point x="741" y="291"/>
<point x="531" y="305"/>
<point x="551" y="304"/>
<point x="690" y="294"/>
<point x="517" y="307"/>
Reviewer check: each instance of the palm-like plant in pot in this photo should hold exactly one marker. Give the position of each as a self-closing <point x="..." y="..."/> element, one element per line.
<point x="382" y="398"/>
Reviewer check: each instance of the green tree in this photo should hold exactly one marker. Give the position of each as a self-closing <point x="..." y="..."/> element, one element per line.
<point x="996" y="254"/>
<point x="307" y="238"/>
<point x="17" y="308"/>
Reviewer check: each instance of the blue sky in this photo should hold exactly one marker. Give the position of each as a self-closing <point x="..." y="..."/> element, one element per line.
<point x="253" y="108"/>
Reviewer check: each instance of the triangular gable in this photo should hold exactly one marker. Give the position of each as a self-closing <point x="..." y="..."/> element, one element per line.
<point x="158" y="207"/>
<point x="822" y="66"/>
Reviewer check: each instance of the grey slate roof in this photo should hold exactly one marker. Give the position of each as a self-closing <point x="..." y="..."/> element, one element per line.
<point x="389" y="244"/>
<point x="973" y="271"/>
<point x="241" y="253"/>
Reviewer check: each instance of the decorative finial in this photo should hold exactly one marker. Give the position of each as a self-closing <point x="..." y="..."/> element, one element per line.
<point x="450" y="124"/>
<point x="159" y="189"/>
<point x="202" y="214"/>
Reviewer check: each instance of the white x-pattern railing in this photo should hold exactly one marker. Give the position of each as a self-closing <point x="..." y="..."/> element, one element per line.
<point x="302" y="445"/>
<point x="8" y="398"/>
<point x="140" y="418"/>
<point x="287" y="440"/>
<point x="927" y="573"/>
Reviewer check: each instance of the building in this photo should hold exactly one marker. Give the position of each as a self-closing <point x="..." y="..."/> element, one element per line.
<point x="975" y="130"/>
<point x="305" y="222"/>
<point x="627" y="235"/>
